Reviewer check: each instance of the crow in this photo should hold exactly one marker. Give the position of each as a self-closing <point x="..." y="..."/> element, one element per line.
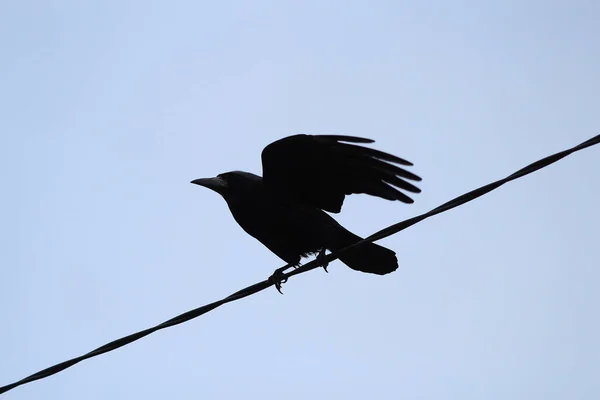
<point x="304" y="176"/>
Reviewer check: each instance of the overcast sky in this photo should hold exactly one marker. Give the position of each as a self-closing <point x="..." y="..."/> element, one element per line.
<point x="109" y="108"/>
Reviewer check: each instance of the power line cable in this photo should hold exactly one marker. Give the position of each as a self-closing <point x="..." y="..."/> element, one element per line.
<point x="465" y="198"/>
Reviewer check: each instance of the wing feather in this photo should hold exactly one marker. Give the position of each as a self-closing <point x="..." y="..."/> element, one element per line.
<point x="320" y="170"/>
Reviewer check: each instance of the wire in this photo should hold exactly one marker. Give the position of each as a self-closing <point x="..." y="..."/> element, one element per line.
<point x="393" y="229"/>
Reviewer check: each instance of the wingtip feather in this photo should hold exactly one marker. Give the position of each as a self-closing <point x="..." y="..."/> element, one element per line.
<point x="343" y="138"/>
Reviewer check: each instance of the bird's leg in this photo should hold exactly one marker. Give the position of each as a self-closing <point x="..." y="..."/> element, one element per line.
<point x="322" y="260"/>
<point x="278" y="277"/>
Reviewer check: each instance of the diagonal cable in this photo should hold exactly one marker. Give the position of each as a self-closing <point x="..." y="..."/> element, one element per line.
<point x="472" y="195"/>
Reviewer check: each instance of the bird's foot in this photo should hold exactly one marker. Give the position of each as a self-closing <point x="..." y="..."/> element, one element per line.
<point x="322" y="260"/>
<point x="278" y="278"/>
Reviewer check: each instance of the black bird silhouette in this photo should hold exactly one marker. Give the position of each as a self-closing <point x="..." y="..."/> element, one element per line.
<point x="304" y="175"/>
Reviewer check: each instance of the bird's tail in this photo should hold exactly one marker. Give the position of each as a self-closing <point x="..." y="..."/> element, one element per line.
<point x="368" y="257"/>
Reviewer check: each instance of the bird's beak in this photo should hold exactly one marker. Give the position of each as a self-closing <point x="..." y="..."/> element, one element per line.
<point x="217" y="184"/>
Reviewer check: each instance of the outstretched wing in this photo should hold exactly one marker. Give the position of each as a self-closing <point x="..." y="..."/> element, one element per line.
<point x="320" y="170"/>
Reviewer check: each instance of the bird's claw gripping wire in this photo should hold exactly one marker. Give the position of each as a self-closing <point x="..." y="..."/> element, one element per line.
<point x="278" y="278"/>
<point x="322" y="260"/>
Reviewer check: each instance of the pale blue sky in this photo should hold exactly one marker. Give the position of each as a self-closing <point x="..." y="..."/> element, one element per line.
<point x="108" y="109"/>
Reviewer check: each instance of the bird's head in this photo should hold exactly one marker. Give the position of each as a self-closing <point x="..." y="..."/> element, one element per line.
<point x="230" y="182"/>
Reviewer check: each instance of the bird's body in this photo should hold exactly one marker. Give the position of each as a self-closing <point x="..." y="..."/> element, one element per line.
<point x="286" y="228"/>
<point x="293" y="230"/>
<point x="284" y="212"/>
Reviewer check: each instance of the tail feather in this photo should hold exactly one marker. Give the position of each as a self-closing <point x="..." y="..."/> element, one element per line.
<point x="368" y="257"/>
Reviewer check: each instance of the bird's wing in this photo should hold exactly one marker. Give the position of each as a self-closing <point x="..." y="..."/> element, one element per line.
<point x="320" y="170"/>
